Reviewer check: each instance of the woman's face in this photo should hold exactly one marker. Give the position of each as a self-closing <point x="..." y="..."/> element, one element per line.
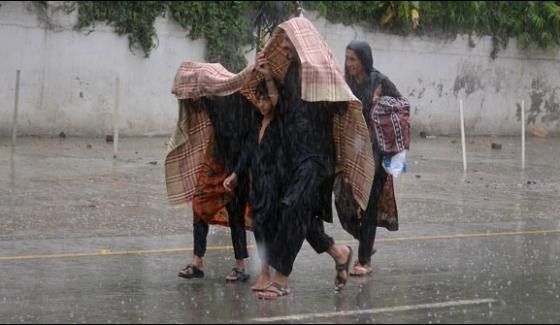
<point x="264" y="105"/>
<point x="353" y="64"/>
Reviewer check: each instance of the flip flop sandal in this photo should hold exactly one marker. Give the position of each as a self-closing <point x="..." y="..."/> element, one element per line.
<point x="257" y="289"/>
<point x="238" y="274"/>
<point x="279" y="292"/>
<point x="341" y="268"/>
<point x="191" y="271"/>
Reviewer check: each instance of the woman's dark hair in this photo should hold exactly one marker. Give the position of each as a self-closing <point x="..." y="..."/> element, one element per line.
<point x="262" y="90"/>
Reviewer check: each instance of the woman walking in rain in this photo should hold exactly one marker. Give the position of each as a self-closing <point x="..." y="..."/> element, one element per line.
<point x="213" y="124"/>
<point x="262" y="158"/>
<point x="365" y="82"/>
<point x="307" y="201"/>
<point x="230" y="117"/>
<point x="313" y="146"/>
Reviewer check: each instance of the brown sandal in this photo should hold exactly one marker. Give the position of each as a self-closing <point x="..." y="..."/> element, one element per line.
<point x="274" y="288"/>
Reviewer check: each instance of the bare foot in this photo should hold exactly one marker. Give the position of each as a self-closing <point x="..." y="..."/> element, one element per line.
<point x="361" y="270"/>
<point x="261" y="284"/>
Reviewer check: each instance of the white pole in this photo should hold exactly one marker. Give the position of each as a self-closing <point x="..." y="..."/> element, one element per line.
<point x="116" y="119"/>
<point x="522" y="134"/>
<point x="16" y="107"/>
<point x="13" y="165"/>
<point x="463" y="135"/>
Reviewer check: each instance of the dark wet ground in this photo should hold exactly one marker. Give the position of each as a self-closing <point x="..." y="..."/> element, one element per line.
<point x="474" y="248"/>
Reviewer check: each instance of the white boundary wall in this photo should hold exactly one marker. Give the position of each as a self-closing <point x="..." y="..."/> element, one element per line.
<point x="68" y="77"/>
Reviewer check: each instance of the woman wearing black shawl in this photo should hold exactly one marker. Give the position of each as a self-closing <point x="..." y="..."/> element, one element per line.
<point x="306" y="130"/>
<point x="364" y="80"/>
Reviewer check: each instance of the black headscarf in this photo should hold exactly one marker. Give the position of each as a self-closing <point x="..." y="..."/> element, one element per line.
<point x="364" y="89"/>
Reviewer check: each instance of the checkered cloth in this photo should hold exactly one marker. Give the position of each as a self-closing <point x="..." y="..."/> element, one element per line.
<point x="322" y="80"/>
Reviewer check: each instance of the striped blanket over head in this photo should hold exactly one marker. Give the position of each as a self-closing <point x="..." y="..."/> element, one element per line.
<point x="322" y="80"/>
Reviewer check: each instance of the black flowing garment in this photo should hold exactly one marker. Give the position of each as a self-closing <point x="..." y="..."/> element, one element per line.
<point x="267" y="166"/>
<point x="307" y="129"/>
<point x="308" y="145"/>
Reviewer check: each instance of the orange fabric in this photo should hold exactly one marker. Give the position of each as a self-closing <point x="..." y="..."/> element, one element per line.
<point x="210" y="198"/>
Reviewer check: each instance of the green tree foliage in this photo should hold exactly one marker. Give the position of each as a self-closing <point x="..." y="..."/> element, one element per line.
<point x="225" y="25"/>
<point x="133" y="18"/>
<point x="228" y="26"/>
<point x="531" y="22"/>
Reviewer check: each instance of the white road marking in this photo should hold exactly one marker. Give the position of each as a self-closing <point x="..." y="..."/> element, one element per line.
<point x="375" y="310"/>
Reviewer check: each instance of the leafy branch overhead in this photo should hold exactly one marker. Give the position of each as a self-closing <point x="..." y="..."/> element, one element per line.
<point x="228" y="26"/>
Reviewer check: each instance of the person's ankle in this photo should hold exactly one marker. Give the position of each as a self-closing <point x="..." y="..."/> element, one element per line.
<point x="265" y="275"/>
<point x="240" y="264"/>
<point x="263" y="280"/>
<point x="282" y="280"/>
<point x="198" y="262"/>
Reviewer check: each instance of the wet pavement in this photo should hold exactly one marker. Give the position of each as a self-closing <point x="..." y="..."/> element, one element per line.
<point x="87" y="238"/>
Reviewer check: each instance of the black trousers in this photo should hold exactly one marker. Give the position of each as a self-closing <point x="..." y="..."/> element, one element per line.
<point x="368" y="227"/>
<point x="236" y="211"/>
<point x="296" y="225"/>
<point x="298" y="212"/>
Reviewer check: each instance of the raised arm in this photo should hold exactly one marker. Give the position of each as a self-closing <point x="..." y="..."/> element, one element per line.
<point x="262" y="67"/>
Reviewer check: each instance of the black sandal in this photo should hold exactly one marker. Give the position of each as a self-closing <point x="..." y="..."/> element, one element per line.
<point x="238" y="274"/>
<point x="191" y="271"/>
<point x="341" y="268"/>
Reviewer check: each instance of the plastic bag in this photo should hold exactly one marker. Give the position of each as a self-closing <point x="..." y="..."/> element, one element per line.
<point x="396" y="164"/>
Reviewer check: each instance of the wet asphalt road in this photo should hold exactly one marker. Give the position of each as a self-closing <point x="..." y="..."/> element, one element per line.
<point x="85" y="238"/>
